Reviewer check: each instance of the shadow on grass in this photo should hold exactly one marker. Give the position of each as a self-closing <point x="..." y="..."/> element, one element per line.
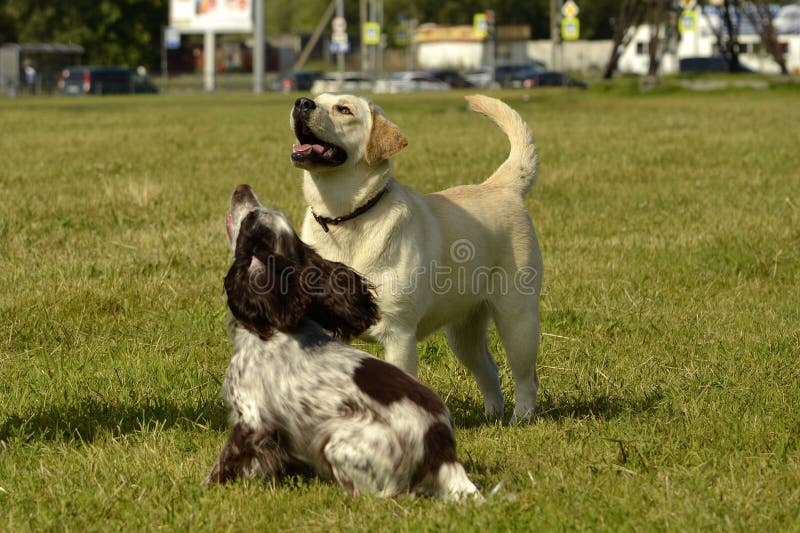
<point x="90" y="419"/>
<point x="599" y="407"/>
<point x="468" y="412"/>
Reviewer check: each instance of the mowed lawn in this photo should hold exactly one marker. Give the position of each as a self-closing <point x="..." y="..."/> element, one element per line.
<point x="669" y="362"/>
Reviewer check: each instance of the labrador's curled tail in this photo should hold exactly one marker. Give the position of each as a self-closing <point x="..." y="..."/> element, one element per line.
<point x="520" y="170"/>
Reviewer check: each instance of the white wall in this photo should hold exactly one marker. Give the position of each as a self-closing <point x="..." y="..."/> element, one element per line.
<point x="452" y="54"/>
<point x="513" y="52"/>
<point x="793" y="61"/>
<point x="702" y="43"/>
<point x="593" y="55"/>
<point x="575" y="55"/>
<point x="635" y="59"/>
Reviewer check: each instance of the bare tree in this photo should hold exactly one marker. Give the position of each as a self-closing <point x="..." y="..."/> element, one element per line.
<point x="760" y="17"/>
<point x="727" y="33"/>
<point x="660" y="34"/>
<point x="631" y="14"/>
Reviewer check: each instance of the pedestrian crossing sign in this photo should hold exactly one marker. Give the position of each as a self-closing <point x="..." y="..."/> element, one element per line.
<point x="570" y="28"/>
<point x="688" y="21"/>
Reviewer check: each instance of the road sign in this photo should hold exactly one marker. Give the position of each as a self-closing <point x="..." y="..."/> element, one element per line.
<point x="339" y="25"/>
<point x="481" y="25"/>
<point x="570" y="9"/>
<point x="343" y="47"/>
<point x="172" y="38"/>
<point x="570" y="28"/>
<point x="372" y="33"/>
<point x="688" y="21"/>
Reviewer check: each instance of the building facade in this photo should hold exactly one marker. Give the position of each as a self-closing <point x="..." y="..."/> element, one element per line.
<point x="701" y="41"/>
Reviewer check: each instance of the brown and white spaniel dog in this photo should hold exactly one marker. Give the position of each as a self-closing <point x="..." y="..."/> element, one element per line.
<point x="299" y="399"/>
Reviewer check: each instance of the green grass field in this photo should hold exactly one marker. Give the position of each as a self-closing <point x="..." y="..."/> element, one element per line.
<point x="670" y="378"/>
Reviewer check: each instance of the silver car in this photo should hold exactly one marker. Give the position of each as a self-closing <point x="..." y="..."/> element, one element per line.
<point x="348" y="82"/>
<point x="409" y="81"/>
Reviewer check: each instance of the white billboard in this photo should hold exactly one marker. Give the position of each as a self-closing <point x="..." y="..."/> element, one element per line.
<point x="220" y="16"/>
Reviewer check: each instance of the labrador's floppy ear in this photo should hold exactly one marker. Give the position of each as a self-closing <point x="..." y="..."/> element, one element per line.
<point x="385" y="138"/>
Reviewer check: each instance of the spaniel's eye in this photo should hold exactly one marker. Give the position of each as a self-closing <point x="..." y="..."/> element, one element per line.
<point x="344" y="110"/>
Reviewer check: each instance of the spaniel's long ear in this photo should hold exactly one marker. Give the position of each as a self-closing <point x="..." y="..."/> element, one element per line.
<point x="342" y="301"/>
<point x="264" y="292"/>
<point x="385" y="138"/>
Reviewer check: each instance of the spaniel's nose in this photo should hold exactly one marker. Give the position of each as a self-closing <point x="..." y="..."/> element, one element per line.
<point x="304" y="105"/>
<point x="243" y="196"/>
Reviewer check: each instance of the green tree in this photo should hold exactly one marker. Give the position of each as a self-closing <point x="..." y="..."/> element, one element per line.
<point x="128" y="32"/>
<point x="290" y="16"/>
<point x="120" y="32"/>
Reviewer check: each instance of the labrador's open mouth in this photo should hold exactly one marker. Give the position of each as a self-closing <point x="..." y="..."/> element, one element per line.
<point x="312" y="150"/>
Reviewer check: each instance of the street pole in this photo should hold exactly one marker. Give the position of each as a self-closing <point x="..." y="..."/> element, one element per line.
<point x="493" y="49"/>
<point x="258" y="48"/>
<point x="382" y="41"/>
<point x="373" y="53"/>
<point x="411" y="28"/>
<point x="362" y="19"/>
<point x="164" y="79"/>
<point x="340" y="53"/>
<point x="555" y="33"/>
<point x="209" y="61"/>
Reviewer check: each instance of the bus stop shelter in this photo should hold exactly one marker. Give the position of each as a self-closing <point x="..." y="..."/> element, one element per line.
<point x="34" y="68"/>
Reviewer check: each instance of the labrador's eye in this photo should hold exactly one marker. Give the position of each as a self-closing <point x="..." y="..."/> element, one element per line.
<point x="344" y="110"/>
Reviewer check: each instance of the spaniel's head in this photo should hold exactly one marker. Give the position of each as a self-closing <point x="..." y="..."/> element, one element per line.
<point x="276" y="281"/>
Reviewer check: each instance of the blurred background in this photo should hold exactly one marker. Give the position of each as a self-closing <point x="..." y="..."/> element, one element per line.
<point x="150" y="46"/>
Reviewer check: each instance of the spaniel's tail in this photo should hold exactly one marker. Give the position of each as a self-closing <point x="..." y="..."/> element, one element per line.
<point x="521" y="168"/>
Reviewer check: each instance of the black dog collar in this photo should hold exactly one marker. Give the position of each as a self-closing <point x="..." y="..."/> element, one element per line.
<point x="325" y="221"/>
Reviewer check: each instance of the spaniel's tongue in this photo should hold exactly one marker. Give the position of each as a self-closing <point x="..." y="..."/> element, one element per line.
<point x="305" y="148"/>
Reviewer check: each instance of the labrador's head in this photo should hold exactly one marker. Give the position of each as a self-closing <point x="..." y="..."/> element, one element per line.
<point x="337" y="129"/>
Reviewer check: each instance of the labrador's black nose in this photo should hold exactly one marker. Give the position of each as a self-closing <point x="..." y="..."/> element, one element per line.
<point x="304" y="105"/>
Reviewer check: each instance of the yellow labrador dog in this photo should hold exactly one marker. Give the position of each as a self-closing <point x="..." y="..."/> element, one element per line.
<point x="454" y="259"/>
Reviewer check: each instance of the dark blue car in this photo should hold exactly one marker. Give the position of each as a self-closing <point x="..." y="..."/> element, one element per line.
<point x="104" y="80"/>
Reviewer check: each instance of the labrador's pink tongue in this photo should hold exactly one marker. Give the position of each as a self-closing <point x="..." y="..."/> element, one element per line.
<point x="305" y="148"/>
<point x="301" y="148"/>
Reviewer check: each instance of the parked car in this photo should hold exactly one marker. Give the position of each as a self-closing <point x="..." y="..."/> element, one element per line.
<point x="505" y="74"/>
<point x="297" y="80"/>
<point x="451" y="78"/>
<point x="479" y="77"/>
<point x="707" y="64"/>
<point x="545" y="78"/>
<point x="104" y="80"/>
<point x="409" y="81"/>
<point x="350" y="82"/>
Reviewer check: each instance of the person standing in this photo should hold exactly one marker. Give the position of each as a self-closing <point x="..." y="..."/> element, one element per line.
<point x="30" y="78"/>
